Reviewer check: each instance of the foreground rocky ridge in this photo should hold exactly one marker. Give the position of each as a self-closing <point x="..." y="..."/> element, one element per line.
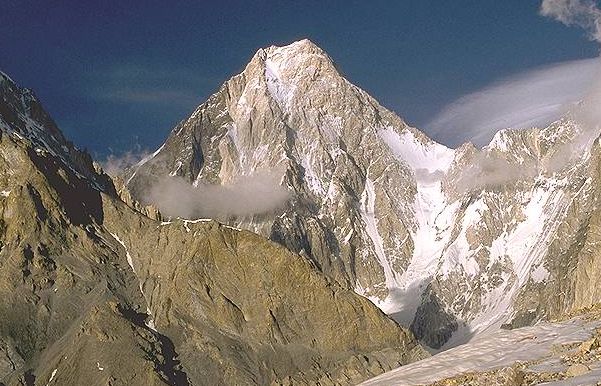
<point x="93" y="290"/>
<point x="449" y="242"/>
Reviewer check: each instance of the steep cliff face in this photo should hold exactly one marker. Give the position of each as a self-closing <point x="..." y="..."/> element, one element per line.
<point x="23" y="117"/>
<point x="94" y="291"/>
<point x="376" y="205"/>
<point x="572" y="255"/>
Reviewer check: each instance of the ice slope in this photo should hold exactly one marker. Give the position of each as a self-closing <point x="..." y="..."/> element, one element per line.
<point x="490" y="351"/>
<point x="433" y="218"/>
<point x="483" y="246"/>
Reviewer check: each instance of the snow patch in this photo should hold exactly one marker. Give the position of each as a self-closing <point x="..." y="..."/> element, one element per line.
<point x="526" y="245"/>
<point x="430" y="156"/>
<point x="311" y="177"/>
<point x="348" y="236"/>
<point x="178" y="166"/>
<point x="150" y="321"/>
<point x="186" y="222"/>
<point x="281" y="92"/>
<point x="539" y="274"/>
<point x="143" y="161"/>
<point x="156" y="152"/>
<point x="129" y="259"/>
<point x="52" y="376"/>
<point x="434" y="219"/>
<point x="367" y="210"/>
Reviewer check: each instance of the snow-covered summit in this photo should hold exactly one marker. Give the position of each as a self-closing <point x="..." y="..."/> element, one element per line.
<point x="293" y="56"/>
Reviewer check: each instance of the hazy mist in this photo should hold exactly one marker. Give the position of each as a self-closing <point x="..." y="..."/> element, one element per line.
<point x="247" y="195"/>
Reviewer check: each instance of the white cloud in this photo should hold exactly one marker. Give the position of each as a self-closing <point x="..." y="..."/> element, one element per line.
<point x="534" y="98"/>
<point x="245" y="196"/>
<point x="582" y="13"/>
<point x="149" y="84"/>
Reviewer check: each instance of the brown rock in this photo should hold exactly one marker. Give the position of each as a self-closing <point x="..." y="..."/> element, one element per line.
<point x="576" y="370"/>
<point x="589" y="345"/>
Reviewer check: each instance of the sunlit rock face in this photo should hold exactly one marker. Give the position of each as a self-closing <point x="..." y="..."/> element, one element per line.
<point x="492" y="233"/>
<point x="349" y="163"/>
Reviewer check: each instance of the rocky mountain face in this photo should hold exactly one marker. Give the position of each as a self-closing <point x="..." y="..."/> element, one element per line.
<point x="94" y="288"/>
<point x="448" y="241"/>
<point x="349" y="162"/>
<point x="507" y="259"/>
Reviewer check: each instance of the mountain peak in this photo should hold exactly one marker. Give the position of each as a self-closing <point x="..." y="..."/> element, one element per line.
<point x="284" y="70"/>
<point x="299" y="58"/>
<point x="303" y="45"/>
<point x="299" y="46"/>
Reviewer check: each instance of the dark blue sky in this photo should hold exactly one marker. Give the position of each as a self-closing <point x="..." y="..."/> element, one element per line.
<point x="117" y="74"/>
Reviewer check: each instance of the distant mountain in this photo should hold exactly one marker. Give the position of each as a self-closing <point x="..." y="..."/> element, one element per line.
<point x="448" y="242"/>
<point x="96" y="289"/>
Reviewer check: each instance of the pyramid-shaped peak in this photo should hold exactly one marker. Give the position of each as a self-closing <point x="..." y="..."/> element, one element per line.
<point x="297" y="51"/>
<point x="302" y="48"/>
<point x="299" y="45"/>
<point x="296" y="59"/>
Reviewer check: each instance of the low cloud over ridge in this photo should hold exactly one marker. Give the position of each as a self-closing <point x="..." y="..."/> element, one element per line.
<point x="489" y="168"/>
<point x="245" y="196"/>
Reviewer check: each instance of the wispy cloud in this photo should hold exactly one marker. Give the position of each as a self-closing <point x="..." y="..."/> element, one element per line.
<point x="488" y="170"/>
<point x="534" y="98"/>
<point x="132" y="83"/>
<point x="150" y="95"/>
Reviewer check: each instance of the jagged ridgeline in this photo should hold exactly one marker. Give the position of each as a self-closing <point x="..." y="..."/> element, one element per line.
<point x="447" y="241"/>
<point x="96" y="289"/>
